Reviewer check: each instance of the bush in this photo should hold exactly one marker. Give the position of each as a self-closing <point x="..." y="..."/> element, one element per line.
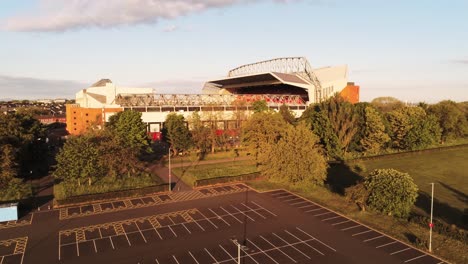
<point x="15" y="190"/>
<point x="391" y="192"/>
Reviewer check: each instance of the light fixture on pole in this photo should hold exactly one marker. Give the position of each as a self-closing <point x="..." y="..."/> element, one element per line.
<point x="431" y="224"/>
<point x="238" y="250"/>
<point x="169" y="155"/>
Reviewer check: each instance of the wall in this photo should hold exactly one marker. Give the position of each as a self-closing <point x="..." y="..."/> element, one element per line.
<point x="79" y="118"/>
<point x="351" y="93"/>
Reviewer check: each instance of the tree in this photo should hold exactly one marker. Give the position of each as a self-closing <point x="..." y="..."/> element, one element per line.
<point x="452" y="119"/>
<point x="296" y="158"/>
<point x="374" y="132"/>
<point x="261" y="131"/>
<point x="391" y="192"/>
<point x="387" y="104"/>
<point x="287" y="114"/>
<point x="176" y="132"/>
<point x="411" y="128"/>
<point x="129" y="127"/>
<point x="79" y="160"/>
<point x="360" y="112"/>
<point x="320" y="124"/>
<point x="7" y="165"/>
<point x="200" y="134"/>
<point x="260" y="106"/>
<point x="358" y="194"/>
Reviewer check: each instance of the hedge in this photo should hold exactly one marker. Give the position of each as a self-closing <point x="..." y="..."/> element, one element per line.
<point x="73" y="200"/>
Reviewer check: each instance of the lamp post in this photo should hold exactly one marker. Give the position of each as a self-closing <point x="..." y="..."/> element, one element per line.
<point x="431" y="225"/>
<point x="169" y="154"/>
<point x="238" y="250"/>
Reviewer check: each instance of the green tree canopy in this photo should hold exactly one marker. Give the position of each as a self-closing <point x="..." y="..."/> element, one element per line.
<point x="200" y="134"/>
<point x="387" y="104"/>
<point x="177" y="133"/>
<point x="287" y="114"/>
<point x="129" y="128"/>
<point x="452" y="119"/>
<point x="262" y="130"/>
<point x="391" y="192"/>
<point x="374" y="131"/>
<point x="296" y="158"/>
<point x="320" y="124"/>
<point x="260" y="106"/>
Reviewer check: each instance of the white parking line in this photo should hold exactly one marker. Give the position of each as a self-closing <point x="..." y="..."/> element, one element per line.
<point x="278" y="193"/>
<point x="112" y="243"/>
<point x="399" y="251"/>
<point x="231" y="215"/>
<point x="261" y="250"/>
<point x="316" y="239"/>
<point x="279" y="249"/>
<point x="370" y="239"/>
<point x="285" y="196"/>
<point x="216" y="261"/>
<point x="264" y="208"/>
<point x="313" y="210"/>
<point x="172" y="231"/>
<point x="292" y="199"/>
<point x="289" y="244"/>
<point x="363" y="232"/>
<point x="175" y="259"/>
<point x="296" y="203"/>
<point x="323" y="213"/>
<point x="339" y="223"/>
<point x="351" y="227"/>
<point x="255" y="211"/>
<point x="219" y="217"/>
<point x="305" y="206"/>
<point x="59" y="248"/>
<point x="330" y="218"/>
<point x="409" y="260"/>
<point x="157" y="262"/>
<point x="384" y="245"/>
<point x="208" y="219"/>
<point x="229" y="254"/>
<point x="242" y="212"/>
<point x="95" y="249"/>
<point x="183" y="224"/>
<point x="139" y="231"/>
<point x="194" y="257"/>
<point x="320" y="252"/>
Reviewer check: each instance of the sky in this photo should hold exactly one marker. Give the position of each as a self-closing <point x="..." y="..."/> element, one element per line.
<point x="413" y="50"/>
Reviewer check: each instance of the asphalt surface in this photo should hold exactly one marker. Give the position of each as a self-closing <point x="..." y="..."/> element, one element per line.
<point x="209" y="225"/>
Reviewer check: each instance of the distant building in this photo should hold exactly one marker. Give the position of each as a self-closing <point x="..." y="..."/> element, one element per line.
<point x="289" y="81"/>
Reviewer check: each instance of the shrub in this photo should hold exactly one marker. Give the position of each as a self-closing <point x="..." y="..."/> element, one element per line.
<point x="391" y="192"/>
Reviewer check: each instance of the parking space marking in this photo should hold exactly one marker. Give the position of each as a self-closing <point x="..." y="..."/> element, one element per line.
<point x="377" y="237"/>
<point x="190" y="253"/>
<point x="409" y="260"/>
<point x="387" y="244"/>
<point x="313" y="210"/>
<point x="19" y="248"/>
<point x="27" y="220"/>
<point x="339" y="223"/>
<point x="399" y="251"/>
<point x="222" y="208"/>
<point x="78" y="236"/>
<point x="330" y="218"/>
<point x="279" y="249"/>
<point x="360" y="233"/>
<point x="296" y="203"/>
<point x="323" y="213"/>
<point x="263" y="208"/>
<point x="305" y="206"/>
<point x="289" y="244"/>
<point x="265" y="253"/>
<point x="351" y="227"/>
<point x="127" y="204"/>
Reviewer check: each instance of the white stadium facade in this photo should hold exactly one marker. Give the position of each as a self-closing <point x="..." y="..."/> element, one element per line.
<point x="290" y="81"/>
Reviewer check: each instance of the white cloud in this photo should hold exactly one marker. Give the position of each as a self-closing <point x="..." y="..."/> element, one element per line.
<point x="170" y="28"/>
<point x="63" y="15"/>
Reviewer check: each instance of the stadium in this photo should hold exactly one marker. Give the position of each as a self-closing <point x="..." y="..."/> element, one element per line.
<point x="290" y="81"/>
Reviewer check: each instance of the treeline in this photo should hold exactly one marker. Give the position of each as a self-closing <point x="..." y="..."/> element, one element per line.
<point x="23" y="154"/>
<point x="384" y="125"/>
<point x="107" y="156"/>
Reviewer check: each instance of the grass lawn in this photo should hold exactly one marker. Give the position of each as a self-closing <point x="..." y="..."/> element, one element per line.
<point x="193" y="158"/>
<point x="448" y="169"/>
<point x="198" y="172"/>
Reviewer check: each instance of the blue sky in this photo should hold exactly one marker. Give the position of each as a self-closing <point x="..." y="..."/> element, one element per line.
<point x="412" y="50"/>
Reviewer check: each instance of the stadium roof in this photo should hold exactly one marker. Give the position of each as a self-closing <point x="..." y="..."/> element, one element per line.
<point x="261" y="79"/>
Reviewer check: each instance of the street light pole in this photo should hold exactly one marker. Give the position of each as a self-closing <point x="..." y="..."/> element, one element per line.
<point x="431" y="224"/>
<point x="170" y="185"/>
<point x="238" y="251"/>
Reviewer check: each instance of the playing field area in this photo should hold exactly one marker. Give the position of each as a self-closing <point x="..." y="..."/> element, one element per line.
<point x="448" y="169"/>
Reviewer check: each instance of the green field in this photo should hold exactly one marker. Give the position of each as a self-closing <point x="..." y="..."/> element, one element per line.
<point x="198" y="172"/>
<point x="448" y="169"/>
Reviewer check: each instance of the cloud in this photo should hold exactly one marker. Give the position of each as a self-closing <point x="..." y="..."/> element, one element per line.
<point x="60" y="15"/>
<point x="170" y="28"/>
<point x="462" y="61"/>
<point x="33" y="88"/>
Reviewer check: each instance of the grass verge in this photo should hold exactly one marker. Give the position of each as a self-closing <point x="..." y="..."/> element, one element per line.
<point x="443" y="246"/>
<point x="207" y="171"/>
